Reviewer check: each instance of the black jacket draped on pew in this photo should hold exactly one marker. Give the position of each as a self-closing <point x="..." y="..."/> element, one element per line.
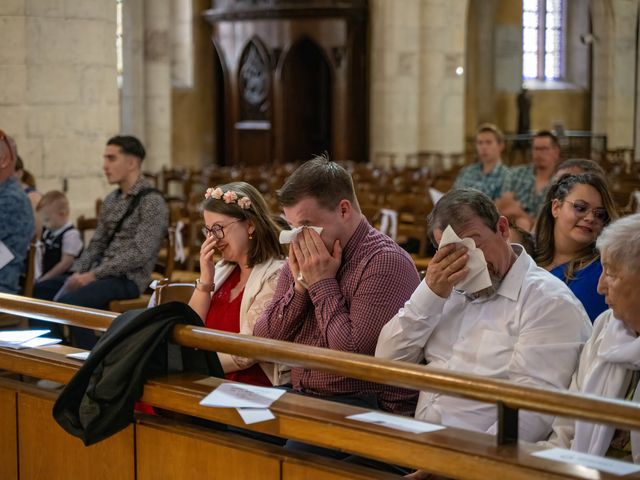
<point x="99" y="400"/>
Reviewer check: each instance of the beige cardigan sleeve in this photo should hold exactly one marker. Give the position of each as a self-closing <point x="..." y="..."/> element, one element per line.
<point x="257" y="295"/>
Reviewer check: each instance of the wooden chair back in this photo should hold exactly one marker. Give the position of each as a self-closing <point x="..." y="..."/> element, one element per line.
<point x="166" y="292"/>
<point x="163" y="270"/>
<point x="174" y="183"/>
<point x="86" y="225"/>
<point x="29" y="278"/>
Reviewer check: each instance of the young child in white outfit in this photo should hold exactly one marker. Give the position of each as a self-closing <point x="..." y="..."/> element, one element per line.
<point x="61" y="241"/>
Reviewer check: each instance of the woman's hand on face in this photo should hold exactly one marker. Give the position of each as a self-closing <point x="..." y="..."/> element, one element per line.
<point x="207" y="265"/>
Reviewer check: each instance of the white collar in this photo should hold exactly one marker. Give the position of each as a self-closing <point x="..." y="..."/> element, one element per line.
<point x="512" y="282"/>
<point x="57" y="232"/>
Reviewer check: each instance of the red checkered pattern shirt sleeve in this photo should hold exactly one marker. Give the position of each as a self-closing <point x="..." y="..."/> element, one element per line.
<point x="346" y="313"/>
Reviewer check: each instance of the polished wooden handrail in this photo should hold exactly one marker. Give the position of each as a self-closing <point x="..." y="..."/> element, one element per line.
<point x="56" y="312"/>
<point x="401" y="374"/>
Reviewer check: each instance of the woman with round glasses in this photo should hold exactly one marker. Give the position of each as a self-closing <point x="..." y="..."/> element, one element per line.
<point x="576" y="209"/>
<point x="231" y="294"/>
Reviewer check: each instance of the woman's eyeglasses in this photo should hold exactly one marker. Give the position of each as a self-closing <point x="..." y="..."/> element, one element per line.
<point x="217" y="230"/>
<point x="581" y="209"/>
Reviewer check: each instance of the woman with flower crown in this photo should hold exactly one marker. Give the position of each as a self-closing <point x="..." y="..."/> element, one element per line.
<point x="231" y="294"/>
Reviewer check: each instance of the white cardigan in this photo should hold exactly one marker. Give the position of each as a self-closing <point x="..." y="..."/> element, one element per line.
<point x="258" y="292"/>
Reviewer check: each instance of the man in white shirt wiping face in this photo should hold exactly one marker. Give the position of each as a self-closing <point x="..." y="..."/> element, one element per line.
<point x="527" y="327"/>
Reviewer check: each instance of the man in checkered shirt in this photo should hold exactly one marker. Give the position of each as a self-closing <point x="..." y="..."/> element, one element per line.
<point x="488" y="174"/>
<point x="524" y="191"/>
<point x="339" y="287"/>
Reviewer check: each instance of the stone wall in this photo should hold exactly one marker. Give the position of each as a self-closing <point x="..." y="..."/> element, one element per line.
<point x="417" y="80"/>
<point x="615" y="51"/>
<point x="59" y="96"/>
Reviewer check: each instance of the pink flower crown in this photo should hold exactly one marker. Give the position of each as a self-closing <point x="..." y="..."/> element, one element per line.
<point x="229" y="196"/>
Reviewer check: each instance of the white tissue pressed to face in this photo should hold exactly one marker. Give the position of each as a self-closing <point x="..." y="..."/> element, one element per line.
<point x="288" y="236"/>
<point x="478" y="277"/>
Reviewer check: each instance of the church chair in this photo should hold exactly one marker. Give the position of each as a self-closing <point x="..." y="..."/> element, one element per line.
<point x="174" y="183"/>
<point x="152" y="178"/>
<point x="167" y="291"/>
<point x="217" y="176"/>
<point x="195" y="184"/>
<point x="161" y="271"/>
<point x="86" y="225"/>
<point x="371" y="211"/>
<point x="29" y="278"/>
<point x="412" y="211"/>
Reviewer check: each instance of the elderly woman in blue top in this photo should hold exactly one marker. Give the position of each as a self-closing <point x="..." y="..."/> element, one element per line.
<point x="576" y="209"/>
<point x="16" y="219"/>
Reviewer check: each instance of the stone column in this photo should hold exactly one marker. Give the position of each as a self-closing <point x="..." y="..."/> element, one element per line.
<point x="157" y="83"/>
<point x="442" y="61"/>
<point x="133" y="78"/>
<point x="484" y="63"/>
<point x="59" y="96"/>
<point x="417" y="88"/>
<point x="394" y="77"/>
<point x="614" y="71"/>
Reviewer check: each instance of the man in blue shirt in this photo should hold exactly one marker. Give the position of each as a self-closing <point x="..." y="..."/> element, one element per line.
<point x="488" y="174"/>
<point x="16" y="219"/>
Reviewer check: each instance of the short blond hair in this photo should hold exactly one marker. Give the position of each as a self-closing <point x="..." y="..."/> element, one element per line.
<point x="491" y="128"/>
<point x="54" y="197"/>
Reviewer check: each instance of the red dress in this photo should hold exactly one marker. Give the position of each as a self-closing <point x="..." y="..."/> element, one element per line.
<point x="224" y="314"/>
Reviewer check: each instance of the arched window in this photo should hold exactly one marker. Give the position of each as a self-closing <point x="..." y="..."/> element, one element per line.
<point x="543" y="39"/>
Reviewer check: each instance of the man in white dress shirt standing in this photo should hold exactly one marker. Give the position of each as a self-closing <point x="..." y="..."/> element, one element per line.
<point x="528" y="328"/>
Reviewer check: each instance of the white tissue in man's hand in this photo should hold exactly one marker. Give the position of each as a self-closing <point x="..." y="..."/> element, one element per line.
<point x="288" y="236"/>
<point x="478" y="277"/>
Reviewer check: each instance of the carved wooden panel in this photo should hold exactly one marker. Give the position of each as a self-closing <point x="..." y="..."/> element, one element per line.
<point x="295" y="79"/>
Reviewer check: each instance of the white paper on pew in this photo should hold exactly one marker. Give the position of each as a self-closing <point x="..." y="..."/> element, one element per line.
<point x="608" y="465"/>
<point x="36" y="342"/>
<point x="16" y="337"/>
<point x="396" y="422"/>
<point x="82" y="356"/>
<point x="5" y="255"/>
<point x="238" y="395"/>
<point x="255" y="415"/>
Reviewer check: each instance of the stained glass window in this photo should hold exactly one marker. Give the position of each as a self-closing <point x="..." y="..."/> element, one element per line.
<point x="542" y="39"/>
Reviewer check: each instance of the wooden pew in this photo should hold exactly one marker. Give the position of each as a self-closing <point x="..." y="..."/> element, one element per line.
<point x="449" y="452"/>
<point x="44" y="450"/>
<point x="151" y="448"/>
